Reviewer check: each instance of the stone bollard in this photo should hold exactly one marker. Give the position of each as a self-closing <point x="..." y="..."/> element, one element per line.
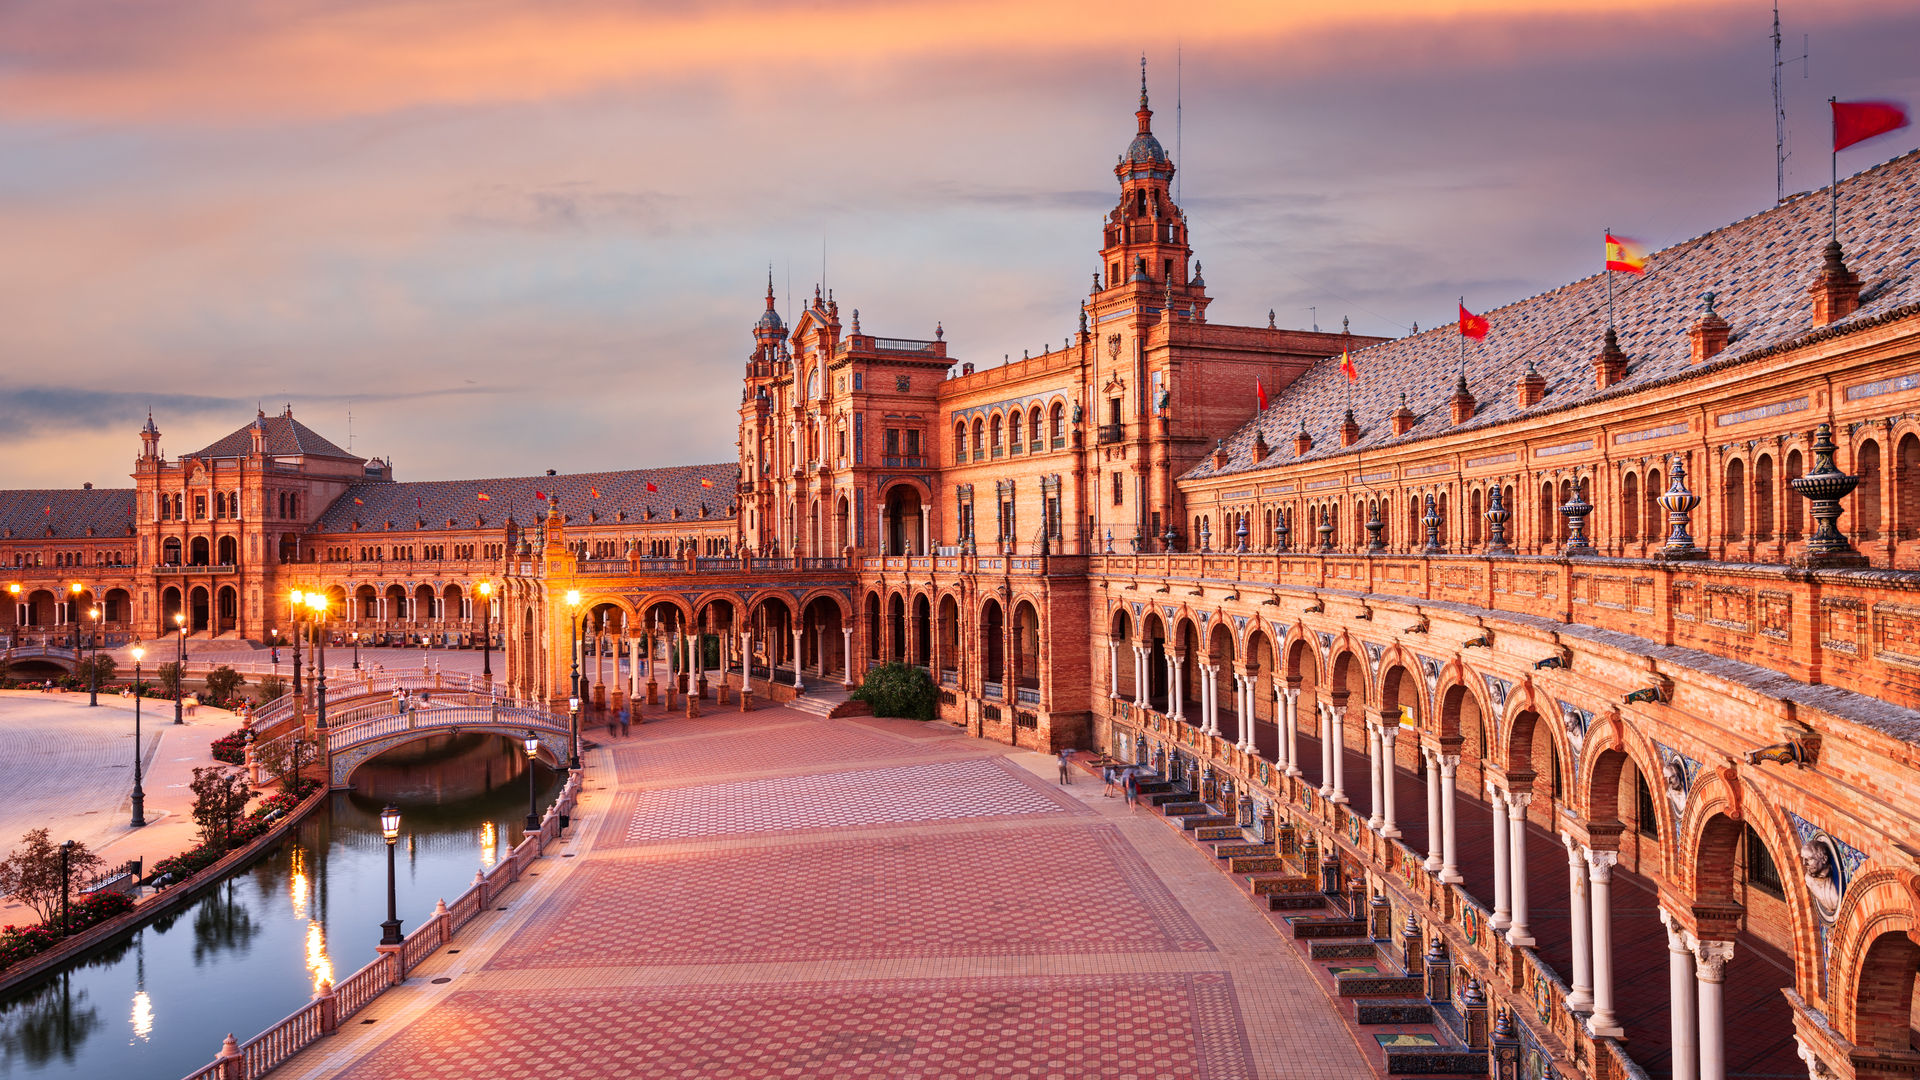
<point x="480" y="883"/>
<point x="1473" y="1006"/>
<point x="1382" y="917"/>
<point x="1506" y="1048"/>
<point x="1439" y="972"/>
<point x="653" y="688"/>
<point x="329" y="1008"/>
<point x="1330" y="873"/>
<point x="1410" y="944"/>
<point x="229" y="1063"/>
<point x="746" y="698"/>
<point x="1310" y="858"/>
<point x="1286" y="840"/>
<point x="441" y="919"/>
<point x="693" y="706"/>
<point x="391" y="954"/>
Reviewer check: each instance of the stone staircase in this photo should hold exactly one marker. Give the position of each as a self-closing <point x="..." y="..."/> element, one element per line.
<point x="818" y="702"/>
<point x="1418" y="1037"/>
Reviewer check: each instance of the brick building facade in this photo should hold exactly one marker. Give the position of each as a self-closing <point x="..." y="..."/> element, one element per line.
<point x="1571" y="583"/>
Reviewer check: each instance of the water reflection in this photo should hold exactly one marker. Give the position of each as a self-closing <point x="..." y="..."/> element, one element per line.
<point x="313" y="914"/>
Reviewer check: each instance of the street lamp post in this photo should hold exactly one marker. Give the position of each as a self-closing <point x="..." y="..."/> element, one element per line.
<point x="139" y="795"/>
<point x="179" y="662"/>
<point x="66" y="881"/>
<point x="299" y="598"/>
<point x="390" y="829"/>
<point x="73" y="612"/>
<point x="485" y="589"/>
<point x="93" y="669"/>
<point x="354" y="636"/>
<point x="532" y="744"/>
<point x="318" y="602"/>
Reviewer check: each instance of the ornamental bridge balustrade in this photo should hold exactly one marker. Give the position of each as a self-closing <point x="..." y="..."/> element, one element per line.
<point x="1692" y="812"/>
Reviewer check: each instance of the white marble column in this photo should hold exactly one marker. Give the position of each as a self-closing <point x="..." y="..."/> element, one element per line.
<point x="1113" y="670"/>
<point x="1435" y="845"/>
<point x="1681" y="1001"/>
<point x="1600" y="866"/>
<point x="1502" y="876"/>
<point x="1580" y="997"/>
<point x="1339" y="745"/>
<point x="1140" y="676"/>
<point x="1177" y="684"/>
<point x="1290" y="743"/>
<point x="1388" y="735"/>
<point x="1326" y="750"/>
<point x="1710" y="963"/>
<point x="1375" y="819"/>
<point x="1210" y="695"/>
<point x="746" y="660"/>
<point x="1450" y="847"/>
<point x="925" y="534"/>
<point x="846" y="635"/>
<point x="633" y="669"/>
<point x="1517" y="933"/>
<point x="798" y="632"/>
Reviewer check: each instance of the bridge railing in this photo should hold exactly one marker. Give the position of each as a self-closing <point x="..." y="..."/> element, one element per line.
<point x="379" y="720"/>
<point x="335" y="1004"/>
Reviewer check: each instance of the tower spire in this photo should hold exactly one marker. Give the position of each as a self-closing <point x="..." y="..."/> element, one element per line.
<point x="1145" y="115"/>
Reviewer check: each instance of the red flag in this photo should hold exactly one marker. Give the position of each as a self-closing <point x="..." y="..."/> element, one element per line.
<point x="1261" y="389"/>
<point x="1858" y="121"/>
<point x="49" y="510"/>
<point x="484" y="497"/>
<point x="1471" y="325"/>
<point x="1625" y="256"/>
<point x="416" y="502"/>
<point x="539" y="494"/>
<point x="706" y="483"/>
<point x="650" y="486"/>
<point x="1347" y="368"/>
<point x="593" y="491"/>
<point x="357" y="502"/>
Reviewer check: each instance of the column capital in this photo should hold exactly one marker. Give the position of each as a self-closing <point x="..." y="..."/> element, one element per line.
<point x="1517" y="803"/>
<point x="1179" y="655"/>
<point x="1677" y="936"/>
<point x="1601" y="863"/>
<point x="1449" y="763"/>
<point x="1710" y="958"/>
<point x="846" y="631"/>
<point x="1293" y="694"/>
<point x="1494" y="793"/>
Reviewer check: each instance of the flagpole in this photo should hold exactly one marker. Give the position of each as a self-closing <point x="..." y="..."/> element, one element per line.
<point x="1608" y="270"/>
<point x="1833" y="189"/>
<point x="1461" y="326"/>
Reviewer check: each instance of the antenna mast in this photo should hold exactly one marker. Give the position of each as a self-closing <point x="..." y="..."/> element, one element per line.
<point x="349" y="425"/>
<point x="1179" y="159"/>
<point x="1780" y="109"/>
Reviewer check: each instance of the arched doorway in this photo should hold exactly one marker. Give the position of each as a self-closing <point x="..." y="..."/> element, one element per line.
<point x="199" y="552"/>
<point x="896" y="629"/>
<point x="199" y="609"/>
<point x="993" y="648"/>
<point x="903" y="523"/>
<point x="229" y="609"/>
<point x="922" y="633"/>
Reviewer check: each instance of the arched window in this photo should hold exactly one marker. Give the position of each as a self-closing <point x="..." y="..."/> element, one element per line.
<point x="1906" y="488"/>
<point x="998" y="434"/>
<point x="1056" y="422"/>
<point x="1630" y="507"/>
<point x="1866" y="497"/>
<point x="1475" y="517"/>
<point x="959" y="442"/>
<point x="1033" y="428"/>
<point x="1796" y="505"/>
<point x="1014" y="439"/>
<point x="1733" y="501"/>
<point x="979" y="437"/>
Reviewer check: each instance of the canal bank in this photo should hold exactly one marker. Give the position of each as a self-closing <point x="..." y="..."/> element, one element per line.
<point x="256" y="946"/>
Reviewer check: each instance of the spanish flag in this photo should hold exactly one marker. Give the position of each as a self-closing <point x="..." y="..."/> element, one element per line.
<point x="1625" y="256"/>
<point x="357" y="502"/>
<point x="594" y="491"/>
<point x="650" y="486"/>
<point x="1471" y="325"/>
<point x="484" y="497"/>
<point x="706" y="483"/>
<point x="1346" y="367"/>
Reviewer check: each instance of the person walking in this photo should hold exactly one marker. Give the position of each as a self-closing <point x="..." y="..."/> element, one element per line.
<point x="1132" y="787"/>
<point x="1066" y="757"/>
<point x="626" y="722"/>
<point x="1107" y="774"/>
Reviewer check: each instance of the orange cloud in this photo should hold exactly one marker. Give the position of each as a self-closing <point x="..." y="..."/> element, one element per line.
<point x="98" y="59"/>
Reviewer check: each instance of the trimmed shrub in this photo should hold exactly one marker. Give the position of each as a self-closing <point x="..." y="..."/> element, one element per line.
<point x="899" y="690"/>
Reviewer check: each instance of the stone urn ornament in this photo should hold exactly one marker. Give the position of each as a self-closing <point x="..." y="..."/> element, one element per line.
<point x="1824" y="486"/>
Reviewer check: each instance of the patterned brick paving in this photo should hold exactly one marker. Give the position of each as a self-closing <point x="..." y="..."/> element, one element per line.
<point x="1181" y="1027"/>
<point x="763" y="750"/>
<point x="942" y="791"/>
<point x="952" y="913"/>
<point x="1012" y="892"/>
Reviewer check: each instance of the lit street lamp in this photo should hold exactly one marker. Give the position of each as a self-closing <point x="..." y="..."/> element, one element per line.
<point x="485" y="589"/>
<point x="180" y="662"/>
<point x="139" y="795"/>
<point x="318" y="603"/>
<point x="573" y="750"/>
<point x="299" y="598"/>
<point x="533" y="814"/>
<point x="73" y="613"/>
<point x="390" y="828"/>
<point x="93" y="669"/>
<point x="354" y="636"/>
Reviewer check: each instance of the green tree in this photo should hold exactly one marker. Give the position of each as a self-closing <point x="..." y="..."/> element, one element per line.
<point x="284" y="758"/>
<point x="269" y="688"/>
<point x="169" y="675"/>
<point x="102" y="666"/>
<point x="223" y="681"/>
<point x="899" y="690"/>
<point x="219" y="797"/>
<point x="31" y="874"/>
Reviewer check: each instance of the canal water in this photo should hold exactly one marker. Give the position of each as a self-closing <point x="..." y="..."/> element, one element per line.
<point x="156" y="1005"/>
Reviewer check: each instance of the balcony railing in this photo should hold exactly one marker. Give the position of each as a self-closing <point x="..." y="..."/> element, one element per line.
<point x="992" y="691"/>
<point x="171" y="568"/>
<point x="1112" y="433"/>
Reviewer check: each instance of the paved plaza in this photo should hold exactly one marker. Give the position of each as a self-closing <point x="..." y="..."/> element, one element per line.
<point x="68" y="768"/>
<point x="778" y="895"/>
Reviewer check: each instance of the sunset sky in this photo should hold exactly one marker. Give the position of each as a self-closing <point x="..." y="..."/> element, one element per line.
<point x="515" y="236"/>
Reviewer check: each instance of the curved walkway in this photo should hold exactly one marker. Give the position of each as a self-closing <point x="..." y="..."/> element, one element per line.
<point x="776" y="894"/>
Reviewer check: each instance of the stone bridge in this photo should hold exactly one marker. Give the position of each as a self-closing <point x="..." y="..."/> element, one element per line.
<point x="55" y="655"/>
<point x="362" y="734"/>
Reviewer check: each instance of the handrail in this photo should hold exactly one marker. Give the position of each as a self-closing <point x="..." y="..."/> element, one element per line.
<point x="335" y="1004"/>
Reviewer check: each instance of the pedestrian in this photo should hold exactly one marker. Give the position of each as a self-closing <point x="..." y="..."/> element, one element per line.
<point x="1132" y="787"/>
<point x="1066" y="756"/>
<point x="626" y="722"/>
<point x="1107" y="774"/>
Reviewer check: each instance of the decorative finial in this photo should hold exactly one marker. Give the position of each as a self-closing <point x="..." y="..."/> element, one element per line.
<point x="856" y="320"/>
<point x="1343" y="325"/>
<point x="1143" y="80"/>
<point x="1083" y="316"/>
<point x="1270" y="325"/>
<point x="1416" y="328"/>
<point x="1708" y="296"/>
<point x="939" y="332"/>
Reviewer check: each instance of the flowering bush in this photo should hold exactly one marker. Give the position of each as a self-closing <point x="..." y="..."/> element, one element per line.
<point x="17" y="943"/>
<point x="231" y="748"/>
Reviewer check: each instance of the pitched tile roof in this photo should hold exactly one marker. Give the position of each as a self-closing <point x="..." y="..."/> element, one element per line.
<point x="436" y="501"/>
<point x="286" y="437"/>
<point x="25" y="514"/>
<point x="1759" y="270"/>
